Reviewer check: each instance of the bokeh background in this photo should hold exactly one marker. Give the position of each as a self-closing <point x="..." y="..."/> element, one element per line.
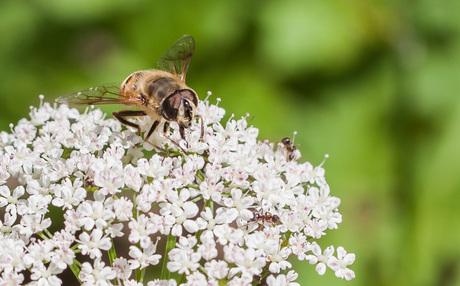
<point x="374" y="84"/>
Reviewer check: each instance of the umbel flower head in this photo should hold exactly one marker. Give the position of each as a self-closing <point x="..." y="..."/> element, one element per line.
<point x="81" y="194"/>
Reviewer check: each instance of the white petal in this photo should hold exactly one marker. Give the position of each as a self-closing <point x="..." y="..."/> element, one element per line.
<point x="321" y="268"/>
<point x="191" y="226"/>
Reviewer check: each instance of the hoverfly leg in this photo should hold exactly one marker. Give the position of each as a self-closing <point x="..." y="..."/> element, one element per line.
<point x="202" y="127"/>
<point x="165" y="134"/>
<point x="122" y="114"/>
<point x="182" y="134"/>
<point x="159" y="149"/>
<point x="151" y="130"/>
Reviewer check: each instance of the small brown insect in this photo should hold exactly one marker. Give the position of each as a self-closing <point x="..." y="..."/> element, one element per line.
<point x="159" y="94"/>
<point x="290" y="148"/>
<point x="88" y="182"/>
<point x="261" y="218"/>
<point x="265" y="218"/>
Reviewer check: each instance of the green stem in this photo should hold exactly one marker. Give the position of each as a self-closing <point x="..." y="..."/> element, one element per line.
<point x="170" y="243"/>
<point x="112" y="254"/>
<point x="210" y="204"/>
<point x="141" y="275"/>
<point x="200" y="175"/>
<point x="75" y="269"/>
<point x="48" y="233"/>
<point x="134" y="205"/>
<point x="197" y="199"/>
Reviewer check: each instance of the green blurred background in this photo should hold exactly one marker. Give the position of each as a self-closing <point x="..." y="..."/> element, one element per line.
<point x="374" y="84"/>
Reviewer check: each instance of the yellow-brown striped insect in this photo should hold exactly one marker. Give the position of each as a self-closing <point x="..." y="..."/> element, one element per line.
<point x="160" y="94"/>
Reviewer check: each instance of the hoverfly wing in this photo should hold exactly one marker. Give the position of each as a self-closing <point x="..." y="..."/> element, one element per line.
<point x="104" y="94"/>
<point x="177" y="59"/>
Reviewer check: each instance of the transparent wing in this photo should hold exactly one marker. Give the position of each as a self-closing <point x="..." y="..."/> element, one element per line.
<point x="177" y="59"/>
<point x="104" y="94"/>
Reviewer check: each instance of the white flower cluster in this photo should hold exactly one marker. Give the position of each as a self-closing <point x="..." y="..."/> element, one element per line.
<point x="231" y="210"/>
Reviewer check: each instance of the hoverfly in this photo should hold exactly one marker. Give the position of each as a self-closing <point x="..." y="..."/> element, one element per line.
<point x="160" y="94"/>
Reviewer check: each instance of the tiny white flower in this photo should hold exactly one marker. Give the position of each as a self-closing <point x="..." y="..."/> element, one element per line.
<point x="183" y="210"/>
<point x="13" y="253"/>
<point x="315" y="228"/>
<point x="11" y="277"/>
<point x="156" y="167"/>
<point x="340" y="264"/>
<point x="248" y="261"/>
<point x="216" y="269"/>
<point x="210" y="220"/>
<point x="109" y="179"/>
<point x="208" y="249"/>
<point x="24" y="131"/>
<point x="211" y="189"/>
<point x="34" y="205"/>
<point x="132" y="282"/>
<point x="93" y="243"/>
<point x="42" y="275"/>
<point x="283" y="280"/>
<point x="196" y="278"/>
<point x="158" y="282"/>
<point x="141" y="229"/>
<point x="99" y="274"/>
<point x="63" y="257"/>
<point x="39" y="116"/>
<point x="132" y="178"/>
<point x="299" y="245"/>
<point x="183" y="259"/>
<point x="143" y="258"/>
<point x="121" y="266"/>
<point x="114" y="230"/>
<point x="38" y="252"/>
<point x="319" y="258"/>
<point x="226" y="234"/>
<point x="72" y="221"/>
<point x="31" y="224"/>
<point x="6" y="225"/>
<point x="94" y="214"/>
<point x="69" y="194"/>
<point x="10" y="198"/>
<point x="123" y="208"/>
<point x="278" y="260"/>
<point x="240" y="202"/>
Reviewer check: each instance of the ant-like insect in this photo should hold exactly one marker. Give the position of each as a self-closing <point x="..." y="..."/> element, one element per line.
<point x="88" y="182"/>
<point x="261" y="218"/>
<point x="265" y="218"/>
<point x="290" y="148"/>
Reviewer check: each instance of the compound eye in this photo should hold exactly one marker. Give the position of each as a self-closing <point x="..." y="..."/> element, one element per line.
<point x="170" y="106"/>
<point x="186" y="104"/>
<point x="190" y="95"/>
